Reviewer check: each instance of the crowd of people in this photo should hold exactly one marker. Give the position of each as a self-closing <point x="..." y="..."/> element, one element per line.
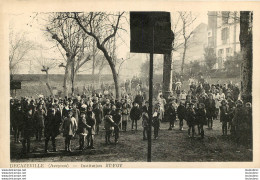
<point x="84" y="115"/>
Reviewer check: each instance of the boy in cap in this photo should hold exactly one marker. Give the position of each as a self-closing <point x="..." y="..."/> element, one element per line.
<point x="201" y="119"/>
<point x="117" y="119"/>
<point x="82" y="128"/>
<point x="91" y="123"/>
<point x="69" y="130"/>
<point x="190" y="118"/>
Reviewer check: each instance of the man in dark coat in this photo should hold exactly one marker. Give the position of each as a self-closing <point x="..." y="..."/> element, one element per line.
<point x="39" y="117"/>
<point x="17" y="122"/>
<point x="135" y="115"/>
<point x="139" y="99"/>
<point x="51" y="131"/>
<point x="27" y="131"/>
<point x="91" y="122"/>
<point x="190" y="118"/>
<point x="210" y="110"/>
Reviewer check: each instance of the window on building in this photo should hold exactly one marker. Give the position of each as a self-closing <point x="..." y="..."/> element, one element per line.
<point x="210" y="41"/>
<point x="228" y="51"/>
<point x="220" y="52"/>
<point x="224" y="35"/>
<point x="225" y="16"/>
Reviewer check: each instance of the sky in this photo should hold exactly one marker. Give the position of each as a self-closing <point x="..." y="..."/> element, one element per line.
<point x="34" y="30"/>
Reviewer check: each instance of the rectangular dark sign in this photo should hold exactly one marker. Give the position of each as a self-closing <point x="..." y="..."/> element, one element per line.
<point x="148" y="28"/>
<point x="15" y="85"/>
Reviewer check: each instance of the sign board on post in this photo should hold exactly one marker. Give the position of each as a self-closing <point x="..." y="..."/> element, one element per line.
<point x="143" y="25"/>
<point x="150" y="33"/>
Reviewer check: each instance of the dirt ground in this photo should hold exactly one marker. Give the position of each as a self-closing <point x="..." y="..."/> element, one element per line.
<point x="172" y="146"/>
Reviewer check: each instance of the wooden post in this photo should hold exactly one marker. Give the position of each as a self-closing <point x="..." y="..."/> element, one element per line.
<point x="149" y="154"/>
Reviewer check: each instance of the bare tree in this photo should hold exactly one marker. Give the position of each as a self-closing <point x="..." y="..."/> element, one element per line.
<point x="73" y="42"/>
<point x="187" y="19"/>
<point x="45" y="64"/>
<point x="103" y="27"/>
<point x="19" y="48"/>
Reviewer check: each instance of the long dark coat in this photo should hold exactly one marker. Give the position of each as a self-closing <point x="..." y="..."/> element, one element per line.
<point x="135" y="113"/>
<point x="28" y="126"/>
<point x="52" y="125"/>
<point x="201" y="117"/>
<point x="224" y="117"/>
<point x="190" y="117"/>
<point x="210" y="107"/>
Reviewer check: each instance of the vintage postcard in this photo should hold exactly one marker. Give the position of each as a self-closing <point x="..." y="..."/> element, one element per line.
<point x="129" y="84"/>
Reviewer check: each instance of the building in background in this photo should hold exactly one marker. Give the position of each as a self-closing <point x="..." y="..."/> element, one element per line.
<point x="197" y="44"/>
<point x="195" y="49"/>
<point x="223" y="35"/>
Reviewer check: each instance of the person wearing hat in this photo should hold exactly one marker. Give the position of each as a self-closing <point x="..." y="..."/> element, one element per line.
<point x="201" y="119"/>
<point x="118" y="120"/>
<point x="98" y="111"/>
<point x="76" y="112"/>
<point x="91" y="122"/>
<point x="171" y="115"/>
<point x="51" y="130"/>
<point x="248" y="126"/>
<point x="190" y="118"/>
<point x="106" y="107"/>
<point x="156" y="121"/>
<point x="27" y="130"/>
<point x="135" y="115"/>
<point x="181" y="111"/>
<point x="82" y="128"/>
<point x="224" y="116"/>
<point x="239" y="121"/>
<point x="125" y="116"/>
<point x="12" y="114"/>
<point x="109" y="127"/>
<point x="210" y="109"/>
<point x="69" y="129"/>
<point x="39" y="117"/>
<point x="17" y="122"/>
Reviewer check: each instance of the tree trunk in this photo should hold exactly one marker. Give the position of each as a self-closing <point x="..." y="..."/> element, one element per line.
<point x="72" y="77"/>
<point x="93" y="65"/>
<point x="99" y="79"/>
<point x="113" y="69"/>
<point x="167" y="75"/>
<point x="65" y="90"/>
<point x="48" y="82"/>
<point x="116" y="81"/>
<point x="246" y="20"/>
<point x="183" y="57"/>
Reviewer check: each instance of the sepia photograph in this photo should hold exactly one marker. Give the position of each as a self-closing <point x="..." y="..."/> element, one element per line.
<point x="131" y="86"/>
